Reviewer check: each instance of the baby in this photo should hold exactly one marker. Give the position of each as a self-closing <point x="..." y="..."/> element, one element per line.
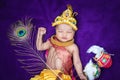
<point x="62" y="52"/>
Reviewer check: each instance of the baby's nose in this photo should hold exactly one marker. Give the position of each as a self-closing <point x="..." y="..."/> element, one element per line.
<point x="64" y="34"/>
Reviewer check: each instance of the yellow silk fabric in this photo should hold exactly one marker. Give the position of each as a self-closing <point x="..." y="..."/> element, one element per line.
<point x="48" y="74"/>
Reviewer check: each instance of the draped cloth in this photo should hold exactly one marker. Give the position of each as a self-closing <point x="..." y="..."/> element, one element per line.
<point x="48" y="74"/>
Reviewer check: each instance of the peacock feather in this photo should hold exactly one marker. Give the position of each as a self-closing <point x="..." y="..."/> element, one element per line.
<point x="22" y="37"/>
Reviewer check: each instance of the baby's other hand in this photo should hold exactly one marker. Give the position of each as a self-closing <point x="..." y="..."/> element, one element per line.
<point x="42" y="31"/>
<point x="83" y="77"/>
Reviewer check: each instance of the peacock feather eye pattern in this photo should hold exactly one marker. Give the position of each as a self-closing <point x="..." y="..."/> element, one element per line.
<point x="21" y="32"/>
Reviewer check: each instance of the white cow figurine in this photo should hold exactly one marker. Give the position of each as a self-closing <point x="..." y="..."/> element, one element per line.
<point x="91" y="70"/>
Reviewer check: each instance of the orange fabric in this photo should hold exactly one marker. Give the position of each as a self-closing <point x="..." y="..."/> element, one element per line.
<point x="65" y="56"/>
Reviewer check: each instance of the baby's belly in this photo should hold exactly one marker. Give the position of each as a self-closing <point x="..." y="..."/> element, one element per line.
<point x="53" y="61"/>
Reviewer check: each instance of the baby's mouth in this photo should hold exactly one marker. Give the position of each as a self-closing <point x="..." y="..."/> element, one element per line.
<point x="64" y="38"/>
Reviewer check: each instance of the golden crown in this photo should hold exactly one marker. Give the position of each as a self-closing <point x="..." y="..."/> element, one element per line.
<point x="67" y="17"/>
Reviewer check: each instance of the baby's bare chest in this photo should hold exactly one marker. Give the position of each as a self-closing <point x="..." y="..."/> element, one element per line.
<point x="59" y="51"/>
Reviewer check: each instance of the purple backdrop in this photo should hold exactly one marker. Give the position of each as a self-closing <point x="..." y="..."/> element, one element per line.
<point x="98" y="23"/>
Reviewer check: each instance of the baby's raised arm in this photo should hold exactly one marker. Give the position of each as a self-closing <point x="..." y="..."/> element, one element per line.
<point x="77" y="63"/>
<point x="39" y="42"/>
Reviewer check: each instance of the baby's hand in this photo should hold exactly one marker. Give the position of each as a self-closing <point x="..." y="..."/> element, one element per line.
<point x="83" y="77"/>
<point x="41" y="31"/>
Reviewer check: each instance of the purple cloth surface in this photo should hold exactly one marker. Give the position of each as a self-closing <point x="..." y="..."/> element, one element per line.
<point x="98" y="24"/>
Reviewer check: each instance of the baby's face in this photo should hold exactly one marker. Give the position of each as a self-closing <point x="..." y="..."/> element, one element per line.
<point x="64" y="32"/>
